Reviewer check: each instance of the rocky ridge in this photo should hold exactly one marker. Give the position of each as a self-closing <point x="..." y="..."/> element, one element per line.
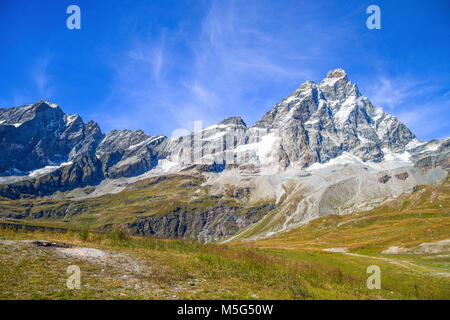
<point x="323" y="149"/>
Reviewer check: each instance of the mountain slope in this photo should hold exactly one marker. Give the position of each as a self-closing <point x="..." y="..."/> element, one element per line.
<point x="406" y="221"/>
<point x="323" y="150"/>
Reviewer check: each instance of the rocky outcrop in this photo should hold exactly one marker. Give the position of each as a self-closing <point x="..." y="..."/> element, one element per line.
<point x="211" y="224"/>
<point x="76" y="154"/>
<point x="433" y="154"/>
<point x="316" y="123"/>
<point x="85" y="171"/>
<point x="402" y="176"/>
<point x="234" y="121"/>
<point x="384" y="178"/>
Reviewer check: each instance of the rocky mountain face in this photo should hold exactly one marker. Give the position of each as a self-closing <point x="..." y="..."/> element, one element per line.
<point x="124" y="153"/>
<point x="318" y="122"/>
<point x="323" y="149"/>
<point x="45" y="150"/>
<point x="315" y="124"/>
<point x="34" y="136"/>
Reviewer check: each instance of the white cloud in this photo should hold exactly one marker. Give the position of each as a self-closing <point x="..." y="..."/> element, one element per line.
<point x="393" y="92"/>
<point x="42" y="85"/>
<point x="421" y="104"/>
<point x="181" y="77"/>
<point x="148" y="57"/>
<point x="426" y="119"/>
<point x="41" y="78"/>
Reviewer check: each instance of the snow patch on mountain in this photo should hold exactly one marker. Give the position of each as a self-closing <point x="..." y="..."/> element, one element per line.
<point x="48" y="169"/>
<point x="346" y="108"/>
<point x="70" y="118"/>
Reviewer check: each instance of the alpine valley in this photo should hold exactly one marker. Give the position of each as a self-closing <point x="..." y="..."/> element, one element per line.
<point x="297" y="206"/>
<point x="323" y="150"/>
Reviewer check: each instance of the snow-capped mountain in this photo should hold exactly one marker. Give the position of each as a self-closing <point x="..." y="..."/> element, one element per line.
<point x="323" y="149"/>
<point x="39" y="135"/>
<point x="315" y="124"/>
<point x="333" y="117"/>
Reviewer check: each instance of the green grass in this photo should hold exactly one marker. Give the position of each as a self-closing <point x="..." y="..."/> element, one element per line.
<point x="405" y="222"/>
<point x="219" y="272"/>
<point x="291" y="265"/>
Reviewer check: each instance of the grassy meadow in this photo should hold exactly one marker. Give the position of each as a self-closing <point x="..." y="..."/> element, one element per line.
<point x="291" y="265"/>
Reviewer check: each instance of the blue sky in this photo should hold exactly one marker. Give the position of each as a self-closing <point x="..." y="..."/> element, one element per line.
<point x="160" y="65"/>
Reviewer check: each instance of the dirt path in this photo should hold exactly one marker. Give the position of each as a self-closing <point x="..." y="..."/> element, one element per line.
<point x="402" y="263"/>
<point x="406" y="264"/>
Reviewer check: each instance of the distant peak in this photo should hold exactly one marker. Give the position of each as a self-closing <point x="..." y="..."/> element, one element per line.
<point x="52" y="105"/>
<point x="337" y="74"/>
<point x="44" y="106"/>
<point x="233" y="120"/>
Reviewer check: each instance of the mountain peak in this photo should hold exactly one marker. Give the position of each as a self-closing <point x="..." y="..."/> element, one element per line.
<point x="337" y="74"/>
<point x="234" y="121"/>
<point x="47" y="103"/>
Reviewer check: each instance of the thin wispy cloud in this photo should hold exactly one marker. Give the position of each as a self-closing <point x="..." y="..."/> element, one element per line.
<point x="241" y="48"/>
<point x="40" y="84"/>
<point x="41" y="77"/>
<point x="424" y="120"/>
<point x="215" y="75"/>
<point x="149" y="57"/>
<point x="421" y="104"/>
<point x="393" y="92"/>
<point x="164" y="66"/>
